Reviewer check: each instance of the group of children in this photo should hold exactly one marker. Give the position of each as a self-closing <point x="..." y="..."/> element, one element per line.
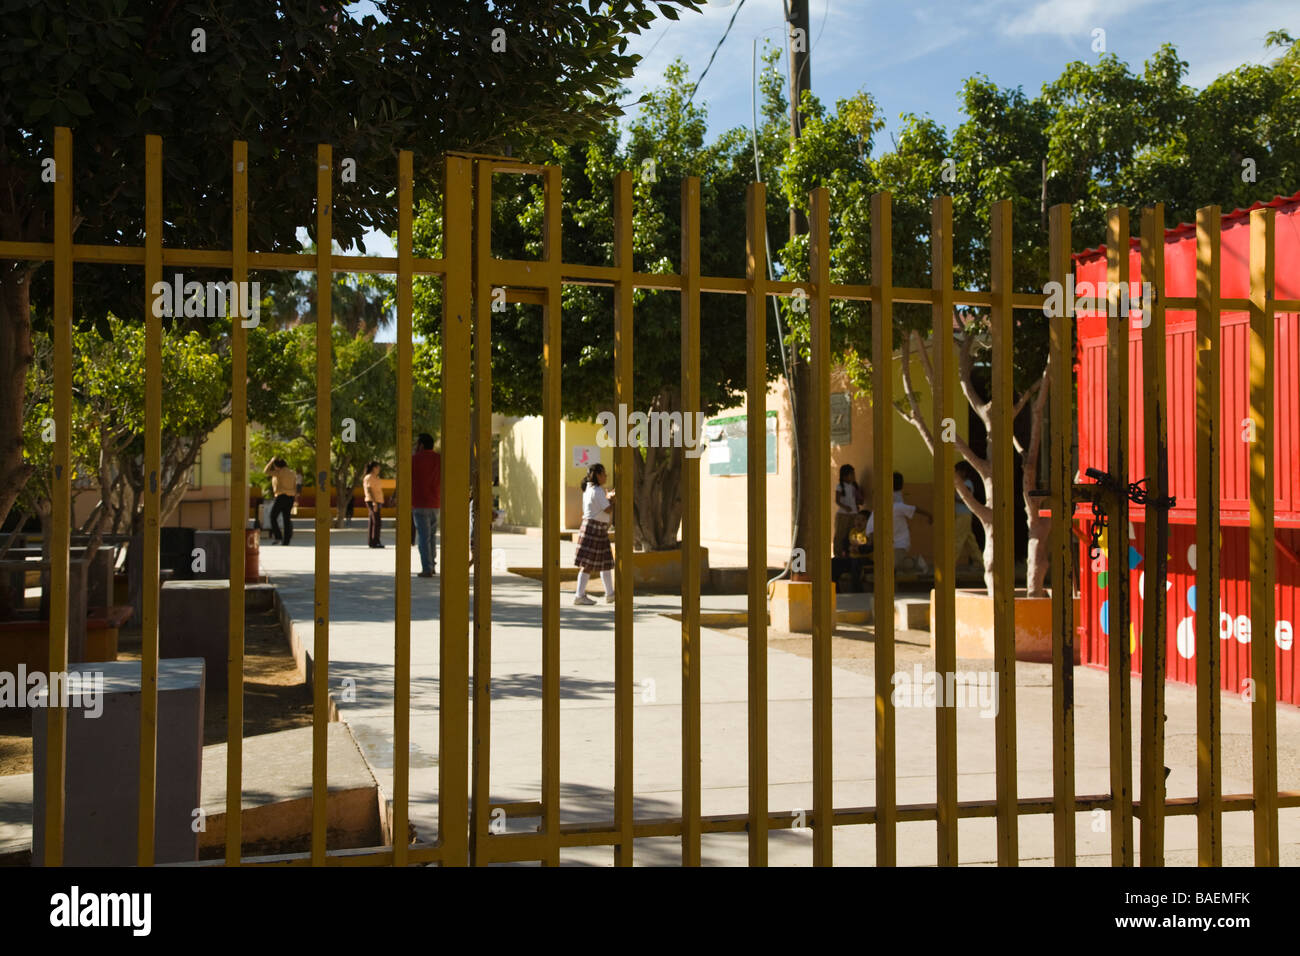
<point x="854" y="524"/>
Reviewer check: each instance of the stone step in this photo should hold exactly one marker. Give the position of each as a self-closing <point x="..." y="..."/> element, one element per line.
<point x="275" y="805"/>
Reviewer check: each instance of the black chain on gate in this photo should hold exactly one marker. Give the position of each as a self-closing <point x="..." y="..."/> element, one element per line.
<point x="1136" y="491"/>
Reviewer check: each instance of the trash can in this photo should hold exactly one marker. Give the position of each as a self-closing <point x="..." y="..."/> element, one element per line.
<point x="252" y="548"/>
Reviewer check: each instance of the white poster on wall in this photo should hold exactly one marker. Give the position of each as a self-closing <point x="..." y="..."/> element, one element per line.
<point x="584" y="455"/>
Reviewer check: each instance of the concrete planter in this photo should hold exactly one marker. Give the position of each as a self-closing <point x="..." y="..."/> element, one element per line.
<point x="1033" y="620"/>
<point x="662" y="570"/>
<point x="28" y="643"/>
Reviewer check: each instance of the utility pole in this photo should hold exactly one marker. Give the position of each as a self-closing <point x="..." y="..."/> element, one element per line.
<point x="801" y="383"/>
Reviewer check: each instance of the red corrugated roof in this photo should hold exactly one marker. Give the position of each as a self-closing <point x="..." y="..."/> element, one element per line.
<point x="1187" y="228"/>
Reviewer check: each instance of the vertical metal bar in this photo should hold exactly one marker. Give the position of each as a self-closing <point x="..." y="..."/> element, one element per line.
<point x="882" y="466"/>
<point x="756" y="511"/>
<point x="1263" y="571"/>
<point x="1062" y="541"/>
<point x="1004" y="583"/>
<point x="453" y="595"/>
<point x="238" y="501"/>
<point x="56" y="749"/>
<point x="624" y="810"/>
<point x="823" y="609"/>
<point x="1119" y="664"/>
<point x="1209" y="757"/>
<point x="690" y="332"/>
<point x="152" y="501"/>
<point x="482" y="715"/>
<point x="945" y="519"/>
<point x="552" y="490"/>
<point x="321" y="629"/>
<point x="402" y="582"/>
<point x="1156" y="537"/>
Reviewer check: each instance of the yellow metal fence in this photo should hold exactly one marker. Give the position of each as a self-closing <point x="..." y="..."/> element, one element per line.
<point x="468" y="271"/>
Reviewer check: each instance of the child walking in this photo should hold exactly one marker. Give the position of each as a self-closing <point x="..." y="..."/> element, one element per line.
<point x="593" y="552"/>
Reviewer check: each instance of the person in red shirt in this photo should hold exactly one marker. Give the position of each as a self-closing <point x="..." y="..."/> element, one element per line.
<point x="426" y="499"/>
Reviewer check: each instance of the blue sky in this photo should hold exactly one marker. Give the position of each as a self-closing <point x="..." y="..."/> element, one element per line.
<point x="914" y="56"/>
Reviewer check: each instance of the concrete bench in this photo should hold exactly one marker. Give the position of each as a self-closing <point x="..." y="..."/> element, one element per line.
<point x="194" y="621"/>
<point x="102" y="769"/>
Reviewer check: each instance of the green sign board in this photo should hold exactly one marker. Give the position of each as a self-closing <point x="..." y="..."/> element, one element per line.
<point x="728" y="449"/>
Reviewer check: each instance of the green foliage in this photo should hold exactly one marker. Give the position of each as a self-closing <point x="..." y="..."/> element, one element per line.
<point x="108" y="403"/>
<point x="363" y="390"/>
<point x="664" y="143"/>
<point x="1109" y="137"/>
<point x="283" y="77"/>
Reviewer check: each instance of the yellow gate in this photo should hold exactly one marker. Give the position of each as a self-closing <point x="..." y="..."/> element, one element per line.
<point x="468" y="270"/>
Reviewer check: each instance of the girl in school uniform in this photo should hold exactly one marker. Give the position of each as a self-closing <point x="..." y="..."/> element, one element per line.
<point x="593" y="552"/>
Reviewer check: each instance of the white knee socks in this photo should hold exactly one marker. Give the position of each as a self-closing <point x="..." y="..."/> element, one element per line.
<point x="607" y="578"/>
<point x="583" y="578"/>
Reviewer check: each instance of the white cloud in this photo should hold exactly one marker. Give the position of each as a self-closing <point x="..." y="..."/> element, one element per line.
<point x="1072" y="19"/>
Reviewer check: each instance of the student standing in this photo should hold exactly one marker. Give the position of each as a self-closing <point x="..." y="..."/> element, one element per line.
<point x="848" y="500"/>
<point x="426" y="498"/>
<point x="593" y="552"/>
<point x="284" y="484"/>
<point x="374" y="502"/>
<point x="903" y="512"/>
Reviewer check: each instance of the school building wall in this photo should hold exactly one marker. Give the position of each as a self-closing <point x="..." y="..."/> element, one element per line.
<point x="722" y="497"/>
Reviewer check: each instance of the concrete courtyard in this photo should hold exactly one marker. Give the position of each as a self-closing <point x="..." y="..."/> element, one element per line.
<point x="361" y="667"/>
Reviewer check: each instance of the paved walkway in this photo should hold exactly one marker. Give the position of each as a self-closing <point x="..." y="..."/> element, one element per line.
<point x="361" y="656"/>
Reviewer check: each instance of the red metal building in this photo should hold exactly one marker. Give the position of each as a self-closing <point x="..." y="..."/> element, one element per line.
<point x="1180" y="277"/>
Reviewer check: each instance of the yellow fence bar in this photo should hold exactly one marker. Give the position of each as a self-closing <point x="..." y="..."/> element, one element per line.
<point x="1000" y="448"/>
<point x="1209" y="758"/>
<point x="756" y="511"/>
<point x="690" y="331"/>
<point x="482" y="711"/>
<point x="1062" y="544"/>
<point x="402" y="583"/>
<point x="1119" y="665"/>
<point x="552" y="485"/>
<point x="152" y="502"/>
<point x="624" y="809"/>
<point x="453" y="596"/>
<point x="238" y="506"/>
<point x="321" y="621"/>
<point x="882" y="457"/>
<point x="1263" y="570"/>
<point x="823" y="608"/>
<point x="56" y="750"/>
<point x="945" y="519"/>
<point x="1156" y="538"/>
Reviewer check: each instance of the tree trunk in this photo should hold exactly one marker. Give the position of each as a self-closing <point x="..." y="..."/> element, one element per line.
<point x="15" y="359"/>
<point x="657" y="491"/>
<point x="1037" y="557"/>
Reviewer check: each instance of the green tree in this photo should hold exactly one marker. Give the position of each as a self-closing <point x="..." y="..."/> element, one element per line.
<point x="284" y="77"/>
<point x="108" y="420"/>
<point x="664" y="143"/>
<point x="363" y="412"/>
<point x="1096" y="137"/>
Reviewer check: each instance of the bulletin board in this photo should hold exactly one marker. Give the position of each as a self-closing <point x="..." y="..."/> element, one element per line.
<point x="728" y="444"/>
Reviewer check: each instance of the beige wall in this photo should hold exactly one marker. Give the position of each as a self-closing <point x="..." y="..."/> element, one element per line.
<point x="521" y="470"/>
<point x="722" y="497"/>
<point x="206" y="507"/>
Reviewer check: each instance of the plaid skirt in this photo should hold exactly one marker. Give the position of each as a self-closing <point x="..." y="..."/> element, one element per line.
<point x="594" y="553"/>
